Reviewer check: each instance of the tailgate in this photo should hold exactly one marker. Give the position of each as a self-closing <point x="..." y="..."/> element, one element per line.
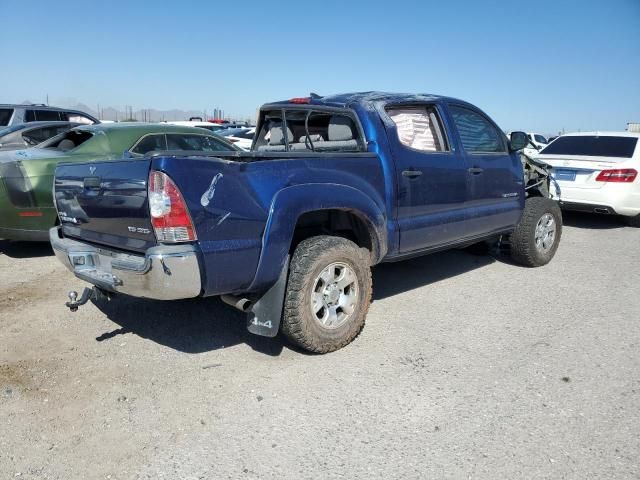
<point x="105" y="203"/>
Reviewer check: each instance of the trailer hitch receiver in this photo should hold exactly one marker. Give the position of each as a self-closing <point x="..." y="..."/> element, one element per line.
<point x="87" y="294"/>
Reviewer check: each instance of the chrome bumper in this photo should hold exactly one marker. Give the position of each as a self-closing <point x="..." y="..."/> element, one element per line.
<point x="166" y="272"/>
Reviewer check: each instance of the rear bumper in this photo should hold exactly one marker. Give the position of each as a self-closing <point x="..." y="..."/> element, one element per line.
<point x="588" y="208"/>
<point x="166" y="272"/>
<point x="23" y="235"/>
<point x="623" y="199"/>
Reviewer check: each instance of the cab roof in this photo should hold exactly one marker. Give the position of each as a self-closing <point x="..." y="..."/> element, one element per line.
<point x="343" y="100"/>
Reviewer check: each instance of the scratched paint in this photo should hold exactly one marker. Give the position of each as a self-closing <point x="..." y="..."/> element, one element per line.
<point x="223" y="218"/>
<point x="207" y="196"/>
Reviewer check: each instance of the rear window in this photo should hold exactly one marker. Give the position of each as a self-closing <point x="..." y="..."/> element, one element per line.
<point x="308" y="130"/>
<point x="198" y="143"/>
<point x="592" y="146"/>
<point x="77" y="118"/>
<point x="5" y="116"/>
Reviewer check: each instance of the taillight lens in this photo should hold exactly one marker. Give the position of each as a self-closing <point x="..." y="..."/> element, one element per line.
<point x="622" y="175"/>
<point x="169" y="215"/>
<point x="300" y="100"/>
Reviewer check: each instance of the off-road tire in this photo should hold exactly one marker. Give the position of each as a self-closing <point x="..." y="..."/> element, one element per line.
<point x="633" y="221"/>
<point x="522" y="240"/>
<point x="310" y="258"/>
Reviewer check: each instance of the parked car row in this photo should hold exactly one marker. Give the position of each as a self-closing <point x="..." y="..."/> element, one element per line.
<point x="11" y="114"/>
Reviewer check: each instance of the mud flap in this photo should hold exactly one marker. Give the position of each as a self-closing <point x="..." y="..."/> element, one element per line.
<point x="265" y="314"/>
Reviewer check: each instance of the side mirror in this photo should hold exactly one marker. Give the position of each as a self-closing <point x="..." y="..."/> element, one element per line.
<point x="518" y="141"/>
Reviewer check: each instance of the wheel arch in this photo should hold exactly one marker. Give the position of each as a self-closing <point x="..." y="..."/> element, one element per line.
<point x="304" y="208"/>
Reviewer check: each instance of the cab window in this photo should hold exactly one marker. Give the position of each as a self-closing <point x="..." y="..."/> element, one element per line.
<point x="309" y="131"/>
<point x="419" y="128"/>
<point x="477" y="134"/>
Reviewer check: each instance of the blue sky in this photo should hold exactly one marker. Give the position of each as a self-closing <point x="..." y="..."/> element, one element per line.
<point x="533" y="65"/>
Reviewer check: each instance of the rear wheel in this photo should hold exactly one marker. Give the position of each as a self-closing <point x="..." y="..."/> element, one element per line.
<point x="535" y="240"/>
<point x="328" y="293"/>
<point x="633" y="221"/>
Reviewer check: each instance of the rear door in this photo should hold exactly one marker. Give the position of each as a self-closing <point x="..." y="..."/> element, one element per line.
<point x="431" y="177"/>
<point x="494" y="175"/>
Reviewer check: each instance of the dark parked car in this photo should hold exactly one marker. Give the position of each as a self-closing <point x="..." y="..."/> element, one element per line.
<point x="25" y="135"/>
<point x="15" y="114"/>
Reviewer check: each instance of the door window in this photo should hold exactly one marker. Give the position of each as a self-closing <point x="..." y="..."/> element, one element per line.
<point x="477" y="134"/>
<point x="77" y="118"/>
<point x="419" y="128"/>
<point x="5" y="116"/>
<point x="48" y="116"/>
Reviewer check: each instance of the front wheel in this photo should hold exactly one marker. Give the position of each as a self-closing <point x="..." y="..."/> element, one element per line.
<point x="328" y="293"/>
<point x="536" y="238"/>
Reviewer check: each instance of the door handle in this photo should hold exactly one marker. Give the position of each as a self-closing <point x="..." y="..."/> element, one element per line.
<point x="411" y="173"/>
<point x="475" y="170"/>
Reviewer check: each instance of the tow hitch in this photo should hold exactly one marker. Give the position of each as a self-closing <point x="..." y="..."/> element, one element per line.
<point x="94" y="293"/>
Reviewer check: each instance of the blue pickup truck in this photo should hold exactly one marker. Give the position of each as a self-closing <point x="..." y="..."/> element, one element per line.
<point x="289" y="231"/>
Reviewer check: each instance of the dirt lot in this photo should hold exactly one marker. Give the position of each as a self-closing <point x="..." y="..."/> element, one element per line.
<point x="469" y="367"/>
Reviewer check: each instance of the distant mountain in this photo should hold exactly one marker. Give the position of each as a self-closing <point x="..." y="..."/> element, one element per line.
<point x="149" y="114"/>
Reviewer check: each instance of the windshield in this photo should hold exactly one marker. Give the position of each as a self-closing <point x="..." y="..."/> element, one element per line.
<point x="67" y="141"/>
<point x="592" y="146"/>
<point x="5" y="116"/>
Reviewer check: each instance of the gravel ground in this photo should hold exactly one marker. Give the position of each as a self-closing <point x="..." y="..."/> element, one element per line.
<point x="468" y="367"/>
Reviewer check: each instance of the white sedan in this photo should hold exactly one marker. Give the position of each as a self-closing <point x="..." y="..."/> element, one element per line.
<point x="242" y="138"/>
<point x="212" y="127"/>
<point x="597" y="172"/>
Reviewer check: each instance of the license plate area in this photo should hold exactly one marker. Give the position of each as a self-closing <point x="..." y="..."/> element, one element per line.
<point x="564" y="175"/>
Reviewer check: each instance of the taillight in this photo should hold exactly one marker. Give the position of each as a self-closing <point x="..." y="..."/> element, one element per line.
<point x="622" y="175"/>
<point x="169" y="215"/>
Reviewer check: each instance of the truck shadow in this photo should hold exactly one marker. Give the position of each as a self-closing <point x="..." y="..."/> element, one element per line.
<point x="206" y="324"/>
<point x="190" y="326"/>
<point x="390" y="279"/>
<point x="592" y="221"/>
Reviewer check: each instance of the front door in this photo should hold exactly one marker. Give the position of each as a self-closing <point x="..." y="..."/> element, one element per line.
<point x="496" y="194"/>
<point x="431" y="177"/>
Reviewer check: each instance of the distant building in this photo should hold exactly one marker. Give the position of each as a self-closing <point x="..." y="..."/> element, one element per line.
<point x="633" y="127"/>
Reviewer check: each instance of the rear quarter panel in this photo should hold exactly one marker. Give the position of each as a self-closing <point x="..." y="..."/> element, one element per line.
<point x="233" y="203"/>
